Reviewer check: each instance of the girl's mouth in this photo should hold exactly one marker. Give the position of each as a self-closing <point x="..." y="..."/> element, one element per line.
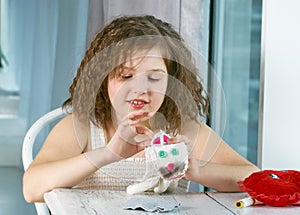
<point x="138" y="103"/>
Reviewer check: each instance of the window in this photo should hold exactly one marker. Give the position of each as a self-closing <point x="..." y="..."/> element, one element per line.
<point x="235" y="57"/>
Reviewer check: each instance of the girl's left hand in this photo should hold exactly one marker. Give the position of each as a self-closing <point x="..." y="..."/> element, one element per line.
<point x="192" y="170"/>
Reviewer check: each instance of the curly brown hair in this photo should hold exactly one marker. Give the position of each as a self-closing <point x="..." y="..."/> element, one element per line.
<point x="185" y="97"/>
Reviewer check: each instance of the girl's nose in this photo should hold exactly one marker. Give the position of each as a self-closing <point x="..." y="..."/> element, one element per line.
<point x="140" y="85"/>
<point x="140" y="91"/>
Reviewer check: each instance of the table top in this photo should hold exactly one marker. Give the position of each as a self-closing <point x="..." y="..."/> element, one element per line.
<point x="81" y="201"/>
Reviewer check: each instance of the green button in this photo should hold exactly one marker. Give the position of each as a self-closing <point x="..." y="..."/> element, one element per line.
<point x="162" y="154"/>
<point x="174" y="151"/>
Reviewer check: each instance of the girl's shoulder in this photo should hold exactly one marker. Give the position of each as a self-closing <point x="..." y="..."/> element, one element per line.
<point x="68" y="133"/>
<point x="62" y="142"/>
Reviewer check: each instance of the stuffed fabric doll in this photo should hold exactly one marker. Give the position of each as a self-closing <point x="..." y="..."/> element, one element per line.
<point x="166" y="164"/>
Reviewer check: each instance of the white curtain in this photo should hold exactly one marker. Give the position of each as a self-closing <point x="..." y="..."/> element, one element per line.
<point x="46" y="42"/>
<point x="103" y="11"/>
<point x="189" y="18"/>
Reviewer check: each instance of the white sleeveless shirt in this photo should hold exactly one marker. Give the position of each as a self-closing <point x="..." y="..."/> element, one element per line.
<point x="118" y="175"/>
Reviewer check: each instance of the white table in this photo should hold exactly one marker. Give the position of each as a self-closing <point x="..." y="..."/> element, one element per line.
<point x="89" y="202"/>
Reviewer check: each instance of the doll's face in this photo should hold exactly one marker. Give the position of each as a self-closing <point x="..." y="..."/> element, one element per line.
<point x="140" y="85"/>
<point x="170" y="161"/>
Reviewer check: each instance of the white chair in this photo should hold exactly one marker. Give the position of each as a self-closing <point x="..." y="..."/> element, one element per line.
<point x="28" y="143"/>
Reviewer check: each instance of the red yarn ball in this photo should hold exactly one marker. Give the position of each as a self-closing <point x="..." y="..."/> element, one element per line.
<point x="275" y="188"/>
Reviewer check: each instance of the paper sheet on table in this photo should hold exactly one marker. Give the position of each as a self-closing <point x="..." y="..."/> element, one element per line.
<point x="150" y="204"/>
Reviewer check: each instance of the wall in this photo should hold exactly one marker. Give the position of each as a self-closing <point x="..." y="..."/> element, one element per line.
<point x="280" y="144"/>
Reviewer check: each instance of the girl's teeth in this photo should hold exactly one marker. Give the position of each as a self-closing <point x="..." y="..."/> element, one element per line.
<point x="137" y="102"/>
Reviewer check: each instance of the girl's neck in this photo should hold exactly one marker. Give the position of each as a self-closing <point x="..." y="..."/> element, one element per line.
<point x="109" y="131"/>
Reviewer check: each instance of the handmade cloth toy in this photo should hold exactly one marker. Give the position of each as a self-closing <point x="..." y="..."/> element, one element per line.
<point x="275" y="188"/>
<point x="166" y="164"/>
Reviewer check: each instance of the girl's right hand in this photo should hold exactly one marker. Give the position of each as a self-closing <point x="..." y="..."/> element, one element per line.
<point x="123" y="143"/>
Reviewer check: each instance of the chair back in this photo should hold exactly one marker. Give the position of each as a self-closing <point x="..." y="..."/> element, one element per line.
<point x="28" y="145"/>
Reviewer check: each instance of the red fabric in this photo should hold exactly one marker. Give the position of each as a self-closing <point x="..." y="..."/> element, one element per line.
<point x="275" y="188"/>
<point x="157" y="140"/>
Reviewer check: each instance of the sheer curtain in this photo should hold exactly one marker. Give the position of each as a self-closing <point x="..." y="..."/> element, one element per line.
<point x="190" y="18"/>
<point x="53" y="47"/>
<point x="103" y="11"/>
<point x="45" y="43"/>
<point x="46" y="40"/>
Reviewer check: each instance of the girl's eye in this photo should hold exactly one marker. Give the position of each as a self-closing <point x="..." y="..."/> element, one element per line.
<point x="126" y="76"/>
<point x="156" y="76"/>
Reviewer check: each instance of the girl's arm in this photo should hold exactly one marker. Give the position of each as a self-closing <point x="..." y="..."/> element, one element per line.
<point x="60" y="162"/>
<point x="220" y="177"/>
<point x="213" y="163"/>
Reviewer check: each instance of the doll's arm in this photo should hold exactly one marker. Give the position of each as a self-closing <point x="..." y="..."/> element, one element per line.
<point x="143" y="186"/>
<point x="166" y="185"/>
<point x="157" y="184"/>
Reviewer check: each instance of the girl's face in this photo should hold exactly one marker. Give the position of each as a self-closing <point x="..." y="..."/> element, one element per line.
<point x="140" y="85"/>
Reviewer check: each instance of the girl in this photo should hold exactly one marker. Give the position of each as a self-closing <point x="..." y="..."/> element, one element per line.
<point x="136" y="77"/>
